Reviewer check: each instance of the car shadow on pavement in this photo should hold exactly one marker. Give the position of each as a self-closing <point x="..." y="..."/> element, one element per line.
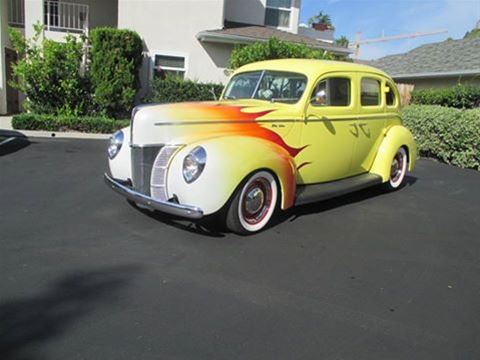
<point x="12" y="141"/>
<point x="209" y="226"/>
<point x="344" y="200"/>
<point x="212" y="226"/>
<point x="25" y="323"/>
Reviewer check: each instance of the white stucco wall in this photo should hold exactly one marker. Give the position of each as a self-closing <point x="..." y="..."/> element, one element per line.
<point x="253" y="12"/>
<point x="3" y="42"/>
<point x="170" y="27"/>
<point x="33" y="15"/>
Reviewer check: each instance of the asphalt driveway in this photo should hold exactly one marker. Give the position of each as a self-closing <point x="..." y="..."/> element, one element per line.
<point x="84" y="275"/>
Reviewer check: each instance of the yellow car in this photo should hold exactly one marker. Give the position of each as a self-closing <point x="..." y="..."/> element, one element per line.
<point x="284" y="133"/>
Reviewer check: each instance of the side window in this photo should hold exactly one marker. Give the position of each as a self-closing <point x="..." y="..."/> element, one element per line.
<point x="332" y="92"/>
<point x="370" y="92"/>
<point x="390" y="96"/>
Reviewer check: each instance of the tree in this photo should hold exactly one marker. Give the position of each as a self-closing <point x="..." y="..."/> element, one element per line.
<point x="275" y="49"/>
<point x="116" y="56"/>
<point x="321" y="18"/>
<point x="49" y="75"/>
<point x="342" y="41"/>
<point x="474" y="33"/>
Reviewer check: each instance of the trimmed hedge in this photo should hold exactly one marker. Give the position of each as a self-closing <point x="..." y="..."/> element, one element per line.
<point x="275" y="49"/>
<point x="446" y="134"/>
<point x="67" y="123"/>
<point x="172" y="89"/>
<point x="459" y="96"/>
<point x="116" y="56"/>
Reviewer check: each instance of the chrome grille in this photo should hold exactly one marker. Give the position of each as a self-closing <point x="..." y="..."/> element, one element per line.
<point x="158" y="180"/>
<point x="142" y="163"/>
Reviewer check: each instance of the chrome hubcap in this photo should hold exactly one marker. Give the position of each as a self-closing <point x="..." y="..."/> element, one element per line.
<point x="254" y="200"/>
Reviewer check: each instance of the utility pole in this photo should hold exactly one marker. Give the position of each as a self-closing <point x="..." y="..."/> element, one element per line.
<point x="383" y="38"/>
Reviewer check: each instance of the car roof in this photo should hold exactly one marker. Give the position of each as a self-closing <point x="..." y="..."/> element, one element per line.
<point x="311" y="68"/>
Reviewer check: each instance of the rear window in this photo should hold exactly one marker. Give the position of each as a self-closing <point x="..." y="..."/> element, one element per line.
<point x="390" y="96"/>
<point x="370" y="92"/>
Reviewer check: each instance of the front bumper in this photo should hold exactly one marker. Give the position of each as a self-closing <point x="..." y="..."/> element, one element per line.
<point x="186" y="211"/>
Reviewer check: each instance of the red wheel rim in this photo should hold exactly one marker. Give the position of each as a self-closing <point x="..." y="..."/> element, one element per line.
<point x="396" y="169"/>
<point x="256" y="201"/>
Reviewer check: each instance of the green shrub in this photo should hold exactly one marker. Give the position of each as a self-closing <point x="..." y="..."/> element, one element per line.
<point x="274" y="49"/>
<point x="459" y="96"/>
<point x="172" y="89"/>
<point x="48" y="73"/>
<point x="67" y="123"/>
<point x="116" y="56"/>
<point x="449" y="135"/>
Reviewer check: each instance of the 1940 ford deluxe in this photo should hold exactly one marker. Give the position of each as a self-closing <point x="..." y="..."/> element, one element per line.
<point x="284" y="133"/>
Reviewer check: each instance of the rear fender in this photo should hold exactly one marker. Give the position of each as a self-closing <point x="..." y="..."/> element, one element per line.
<point x="395" y="137"/>
<point x="230" y="159"/>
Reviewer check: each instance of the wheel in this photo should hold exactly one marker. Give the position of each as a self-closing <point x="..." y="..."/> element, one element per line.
<point x="398" y="170"/>
<point x="253" y="204"/>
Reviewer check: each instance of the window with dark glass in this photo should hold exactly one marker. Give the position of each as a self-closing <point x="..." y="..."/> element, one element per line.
<point x="390" y="96"/>
<point x="332" y="92"/>
<point x="272" y="86"/>
<point x="166" y="65"/>
<point x="370" y="92"/>
<point x="277" y="13"/>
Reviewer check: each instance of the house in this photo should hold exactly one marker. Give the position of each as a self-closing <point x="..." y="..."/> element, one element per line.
<point x="191" y="38"/>
<point x="441" y="64"/>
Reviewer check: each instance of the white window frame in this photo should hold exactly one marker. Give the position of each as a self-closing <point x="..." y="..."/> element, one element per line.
<point x="168" y="53"/>
<point x="289" y="9"/>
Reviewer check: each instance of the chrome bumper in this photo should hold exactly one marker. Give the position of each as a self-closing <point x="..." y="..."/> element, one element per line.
<point x="186" y="211"/>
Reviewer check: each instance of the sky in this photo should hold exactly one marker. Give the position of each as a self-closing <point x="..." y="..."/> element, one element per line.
<point x="372" y="17"/>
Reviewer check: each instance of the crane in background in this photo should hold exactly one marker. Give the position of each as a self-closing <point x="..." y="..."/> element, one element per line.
<point x="358" y="41"/>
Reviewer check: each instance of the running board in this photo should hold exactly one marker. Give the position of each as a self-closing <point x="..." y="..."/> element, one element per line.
<point x="317" y="192"/>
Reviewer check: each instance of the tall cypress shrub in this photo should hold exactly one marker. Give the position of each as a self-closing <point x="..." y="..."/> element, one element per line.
<point x="115" y="59"/>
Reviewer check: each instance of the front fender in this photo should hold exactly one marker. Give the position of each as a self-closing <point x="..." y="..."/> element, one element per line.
<point x="395" y="137"/>
<point x="230" y="159"/>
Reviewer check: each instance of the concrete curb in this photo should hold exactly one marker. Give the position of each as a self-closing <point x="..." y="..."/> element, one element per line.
<point x="6" y="129"/>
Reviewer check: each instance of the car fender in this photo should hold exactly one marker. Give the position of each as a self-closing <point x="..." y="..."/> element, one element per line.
<point x="395" y="137"/>
<point x="230" y="159"/>
<point x="121" y="165"/>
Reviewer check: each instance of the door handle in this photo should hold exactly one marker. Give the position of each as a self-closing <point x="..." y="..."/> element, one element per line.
<point x="316" y="117"/>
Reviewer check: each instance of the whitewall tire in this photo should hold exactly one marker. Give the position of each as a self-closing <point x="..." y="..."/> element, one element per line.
<point x="254" y="204"/>
<point x="398" y="169"/>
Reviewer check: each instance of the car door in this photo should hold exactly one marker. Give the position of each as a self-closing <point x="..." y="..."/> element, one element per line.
<point x="328" y="132"/>
<point x="371" y="121"/>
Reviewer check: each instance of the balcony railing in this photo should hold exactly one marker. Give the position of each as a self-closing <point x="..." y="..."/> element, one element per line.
<point x="16" y="13"/>
<point x="66" y="16"/>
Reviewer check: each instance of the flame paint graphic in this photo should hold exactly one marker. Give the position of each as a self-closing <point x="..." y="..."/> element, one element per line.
<point x="243" y="122"/>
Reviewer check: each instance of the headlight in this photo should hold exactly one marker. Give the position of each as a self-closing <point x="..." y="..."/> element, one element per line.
<point x="116" y="141"/>
<point x="193" y="164"/>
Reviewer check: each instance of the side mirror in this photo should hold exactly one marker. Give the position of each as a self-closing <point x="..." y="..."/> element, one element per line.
<point x="320" y="98"/>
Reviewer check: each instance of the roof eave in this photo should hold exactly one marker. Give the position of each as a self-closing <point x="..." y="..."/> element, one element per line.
<point x="207" y="36"/>
<point x="444" y="74"/>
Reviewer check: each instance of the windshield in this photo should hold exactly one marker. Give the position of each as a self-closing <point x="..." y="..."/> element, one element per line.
<point x="275" y="86"/>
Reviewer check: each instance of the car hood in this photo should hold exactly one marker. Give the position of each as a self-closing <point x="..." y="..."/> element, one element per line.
<point x="186" y="122"/>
